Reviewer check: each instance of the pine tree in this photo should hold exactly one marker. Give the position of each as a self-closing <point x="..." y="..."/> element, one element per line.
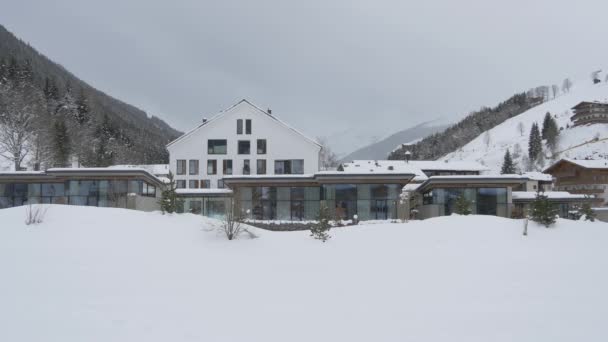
<point x="82" y="107"/>
<point x="550" y="131"/>
<point x="508" y="167"/>
<point x="320" y="230"/>
<point x="586" y="212"/>
<point x="535" y="146"/>
<point x="543" y="211"/>
<point x="61" y="142"/>
<point x="169" y="202"/>
<point x="462" y="206"/>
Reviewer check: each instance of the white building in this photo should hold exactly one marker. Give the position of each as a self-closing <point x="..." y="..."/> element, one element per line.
<point x="241" y="140"/>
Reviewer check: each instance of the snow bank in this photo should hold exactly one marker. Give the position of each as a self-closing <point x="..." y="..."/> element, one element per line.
<point x="95" y="274"/>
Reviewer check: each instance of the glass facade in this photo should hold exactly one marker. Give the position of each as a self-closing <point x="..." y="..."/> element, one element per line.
<point x="214" y="207"/>
<point x="102" y="193"/>
<point x="368" y="201"/>
<point x="484" y="201"/>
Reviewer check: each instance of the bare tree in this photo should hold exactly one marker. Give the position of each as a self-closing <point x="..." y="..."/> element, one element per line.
<point x="231" y="225"/>
<point x="521" y="128"/>
<point x="566" y="85"/>
<point x="595" y="76"/>
<point x="328" y="160"/>
<point x="15" y="135"/>
<point x="554" y="90"/>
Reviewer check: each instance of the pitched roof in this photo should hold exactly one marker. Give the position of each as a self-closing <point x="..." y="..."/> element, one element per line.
<point x="585" y="163"/>
<point x="223" y="112"/>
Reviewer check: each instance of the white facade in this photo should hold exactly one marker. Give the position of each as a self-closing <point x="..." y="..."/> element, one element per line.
<point x="283" y="143"/>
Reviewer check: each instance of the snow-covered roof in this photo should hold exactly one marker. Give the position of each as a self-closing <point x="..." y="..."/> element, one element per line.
<point x="410" y="187"/>
<point x="538" y="176"/>
<point x="243" y="101"/>
<point x="589" y="163"/>
<point x="440" y="165"/>
<point x="155" y="169"/>
<point x="381" y="167"/>
<point x="530" y="195"/>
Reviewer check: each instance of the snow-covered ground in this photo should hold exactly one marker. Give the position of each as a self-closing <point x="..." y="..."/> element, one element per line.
<point x="507" y="136"/>
<point x="98" y="274"/>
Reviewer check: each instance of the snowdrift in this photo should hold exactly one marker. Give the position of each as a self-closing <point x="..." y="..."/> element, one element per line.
<point x="98" y="274"/>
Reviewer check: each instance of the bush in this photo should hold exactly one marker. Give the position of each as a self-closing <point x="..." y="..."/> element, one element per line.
<point x="586" y="212"/>
<point x="462" y="206"/>
<point x="543" y="211"/>
<point x="320" y="230"/>
<point x="34" y="214"/>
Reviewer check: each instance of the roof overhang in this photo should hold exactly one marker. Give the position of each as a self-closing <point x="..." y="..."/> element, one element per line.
<point x="468" y="182"/>
<point x="61" y="174"/>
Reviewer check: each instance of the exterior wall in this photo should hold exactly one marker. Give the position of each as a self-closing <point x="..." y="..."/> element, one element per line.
<point x="602" y="215"/>
<point x="579" y="180"/>
<point x="282" y="143"/>
<point x="143" y="203"/>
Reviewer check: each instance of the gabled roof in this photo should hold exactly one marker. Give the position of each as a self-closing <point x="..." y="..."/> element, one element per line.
<point x="585" y="163"/>
<point x="223" y="112"/>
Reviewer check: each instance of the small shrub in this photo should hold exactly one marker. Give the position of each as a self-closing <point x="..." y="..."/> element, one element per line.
<point x="320" y="230"/>
<point x="586" y="212"/>
<point x="34" y="214"/>
<point x="543" y="211"/>
<point x="462" y="206"/>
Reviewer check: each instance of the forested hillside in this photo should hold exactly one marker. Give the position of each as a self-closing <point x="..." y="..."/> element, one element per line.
<point x="49" y="117"/>
<point x="458" y="135"/>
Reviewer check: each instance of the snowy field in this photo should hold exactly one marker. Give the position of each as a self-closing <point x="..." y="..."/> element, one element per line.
<point x="95" y="274"/>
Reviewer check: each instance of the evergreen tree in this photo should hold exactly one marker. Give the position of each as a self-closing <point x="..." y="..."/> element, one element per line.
<point x="550" y="131"/>
<point x="586" y="212"/>
<point x="103" y="155"/>
<point x="169" y="202"/>
<point x="61" y="143"/>
<point x="462" y="206"/>
<point x="535" y="146"/>
<point x="320" y="230"/>
<point x="82" y="108"/>
<point x="543" y="211"/>
<point x="508" y="167"/>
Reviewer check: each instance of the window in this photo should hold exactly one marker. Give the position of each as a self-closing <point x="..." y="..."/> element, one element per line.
<point x="205" y="183"/>
<point x="289" y="167"/>
<point x="244" y="147"/>
<point x="216" y="146"/>
<point x="261" y="146"/>
<point x="180" y="184"/>
<point x="261" y="166"/>
<point x="196" y="207"/>
<point x="248" y="126"/>
<point x="181" y="167"/>
<point x="220" y="183"/>
<point x="211" y="167"/>
<point x="193" y="184"/>
<point x="227" y="166"/>
<point x="246" y="167"/>
<point x="239" y="126"/>
<point x="193" y="167"/>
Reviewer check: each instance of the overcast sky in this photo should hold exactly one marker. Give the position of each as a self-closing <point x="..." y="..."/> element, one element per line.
<point x="324" y="66"/>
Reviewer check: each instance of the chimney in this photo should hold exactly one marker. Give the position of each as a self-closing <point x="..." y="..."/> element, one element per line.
<point x="408" y="155"/>
<point x="204" y="120"/>
<point x="269" y="111"/>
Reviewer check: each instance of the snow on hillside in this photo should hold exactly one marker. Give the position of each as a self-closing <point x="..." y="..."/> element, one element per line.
<point x="99" y="274"/>
<point x="574" y="142"/>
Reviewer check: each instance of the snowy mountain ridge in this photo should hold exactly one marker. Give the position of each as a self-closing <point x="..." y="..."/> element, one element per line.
<point x="590" y="141"/>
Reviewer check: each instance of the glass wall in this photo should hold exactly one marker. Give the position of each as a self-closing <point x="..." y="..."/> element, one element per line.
<point x="102" y="193"/>
<point x="214" y="207"/>
<point x="484" y="201"/>
<point x="368" y="201"/>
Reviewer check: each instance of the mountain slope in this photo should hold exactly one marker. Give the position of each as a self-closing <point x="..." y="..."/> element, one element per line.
<point x="467" y="129"/>
<point x="573" y="142"/>
<point x="139" y="138"/>
<point x="382" y="148"/>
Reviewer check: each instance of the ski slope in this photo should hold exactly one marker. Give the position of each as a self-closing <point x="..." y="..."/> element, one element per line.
<point x="101" y="274"/>
<point x="574" y="142"/>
